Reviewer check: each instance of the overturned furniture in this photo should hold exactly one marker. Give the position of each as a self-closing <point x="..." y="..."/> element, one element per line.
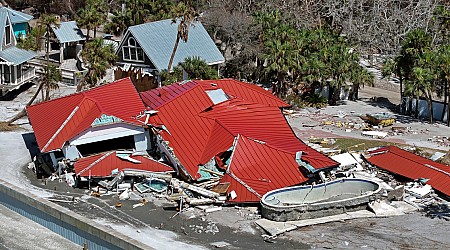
<point x="307" y="202"/>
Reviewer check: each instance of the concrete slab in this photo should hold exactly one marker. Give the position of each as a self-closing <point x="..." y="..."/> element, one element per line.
<point x="275" y="228"/>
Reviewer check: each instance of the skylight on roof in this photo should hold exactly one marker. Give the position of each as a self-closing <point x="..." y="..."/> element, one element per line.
<point x="217" y="95"/>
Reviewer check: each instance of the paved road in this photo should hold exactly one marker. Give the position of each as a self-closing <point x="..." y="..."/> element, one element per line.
<point x="18" y="232"/>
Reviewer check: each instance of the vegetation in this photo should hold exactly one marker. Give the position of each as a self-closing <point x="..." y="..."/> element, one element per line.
<point x="185" y="15"/>
<point x="99" y="58"/>
<point x="192" y="68"/>
<point x="299" y="59"/>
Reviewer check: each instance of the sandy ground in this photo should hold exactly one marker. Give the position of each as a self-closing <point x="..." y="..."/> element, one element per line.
<point x="153" y="223"/>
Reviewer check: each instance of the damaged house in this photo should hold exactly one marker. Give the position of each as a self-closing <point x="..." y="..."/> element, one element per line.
<point x="230" y="130"/>
<point x="89" y="122"/>
<point x="412" y="167"/>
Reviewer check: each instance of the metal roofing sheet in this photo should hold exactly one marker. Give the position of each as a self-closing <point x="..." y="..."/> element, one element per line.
<point x="16" y="56"/>
<point x="234" y="88"/>
<point x="243" y="90"/>
<point x="189" y="132"/>
<point x="157" y="39"/>
<point x="266" y="124"/>
<point x="101" y="165"/>
<point x="58" y="120"/>
<point x="412" y="166"/>
<point x="3" y="18"/>
<point x="156" y="97"/>
<point x="257" y="168"/>
<point x="17" y="16"/>
<point x="68" y="32"/>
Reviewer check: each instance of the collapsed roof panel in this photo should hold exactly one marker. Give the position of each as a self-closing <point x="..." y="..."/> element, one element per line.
<point x="102" y="165"/>
<point x="412" y="166"/>
<point x="257" y="168"/>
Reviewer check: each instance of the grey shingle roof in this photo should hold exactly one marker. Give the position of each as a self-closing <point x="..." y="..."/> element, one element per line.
<point x="68" y="32"/>
<point x="16" y="56"/>
<point x="158" y="38"/>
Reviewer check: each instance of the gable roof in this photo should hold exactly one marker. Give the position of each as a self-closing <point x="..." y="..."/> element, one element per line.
<point x="57" y="121"/>
<point x="257" y="168"/>
<point x="198" y="130"/>
<point x="17" y="16"/>
<point x="157" y="39"/>
<point x="3" y="18"/>
<point x="101" y="165"/>
<point x="68" y="32"/>
<point x="16" y="56"/>
<point x="188" y="133"/>
<point x="412" y="166"/>
<point x="246" y="91"/>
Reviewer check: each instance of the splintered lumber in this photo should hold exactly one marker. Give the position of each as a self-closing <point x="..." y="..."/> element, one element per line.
<point x="147" y="174"/>
<point x="199" y="190"/>
<point x="221" y="188"/>
<point x="199" y="201"/>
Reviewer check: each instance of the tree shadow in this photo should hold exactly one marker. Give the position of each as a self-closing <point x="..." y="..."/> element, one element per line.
<point x="439" y="210"/>
<point x="31" y="143"/>
<point x="382" y="102"/>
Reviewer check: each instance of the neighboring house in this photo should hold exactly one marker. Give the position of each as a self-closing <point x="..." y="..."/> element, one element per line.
<point x="67" y="39"/>
<point x="14" y="69"/>
<point x="149" y="46"/>
<point x="203" y="127"/>
<point x="90" y="122"/>
<point x="19" y="21"/>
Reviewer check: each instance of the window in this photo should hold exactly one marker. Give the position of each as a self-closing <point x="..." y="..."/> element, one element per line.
<point x="132" y="52"/>
<point x="8" y="34"/>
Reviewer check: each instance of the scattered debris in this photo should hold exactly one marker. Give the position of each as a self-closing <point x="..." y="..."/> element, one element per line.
<point x="220" y="244"/>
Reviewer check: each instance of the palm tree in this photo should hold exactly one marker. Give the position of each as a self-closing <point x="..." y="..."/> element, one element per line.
<point x="92" y="16"/>
<point x="99" y="58"/>
<point x="185" y="15"/>
<point x="47" y="23"/>
<point x="444" y="66"/>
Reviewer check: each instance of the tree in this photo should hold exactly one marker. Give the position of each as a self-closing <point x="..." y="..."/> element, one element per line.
<point x="443" y="62"/>
<point x="47" y="22"/>
<point x="185" y="15"/>
<point x="193" y="67"/>
<point x="92" y="16"/>
<point x="99" y="58"/>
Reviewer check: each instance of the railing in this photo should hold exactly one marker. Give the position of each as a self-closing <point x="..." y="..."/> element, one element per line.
<point x="27" y="75"/>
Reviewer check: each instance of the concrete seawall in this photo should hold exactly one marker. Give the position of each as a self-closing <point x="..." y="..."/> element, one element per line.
<point x="64" y="222"/>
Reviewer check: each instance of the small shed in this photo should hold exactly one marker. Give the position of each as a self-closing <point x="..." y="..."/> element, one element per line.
<point x="68" y="38"/>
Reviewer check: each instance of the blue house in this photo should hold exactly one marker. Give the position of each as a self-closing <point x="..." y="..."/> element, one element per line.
<point x="149" y="46"/>
<point x="19" y="21"/>
<point x="14" y="67"/>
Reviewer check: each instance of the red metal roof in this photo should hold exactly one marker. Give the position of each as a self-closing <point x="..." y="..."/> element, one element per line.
<point x="257" y="168"/>
<point x="188" y="132"/>
<point x="156" y="97"/>
<point x="266" y="124"/>
<point x="101" y="165"/>
<point x="404" y="163"/>
<point x="58" y="120"/>
<point x="245" y="91"/>
<point x="234" y="88"/>
<point x="199" y="130"/>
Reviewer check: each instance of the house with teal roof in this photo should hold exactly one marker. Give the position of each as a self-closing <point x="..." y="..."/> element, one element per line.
<point x="149" y="46"/>
<point x="19" y="21"/>
<point x="14" y="68"/>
